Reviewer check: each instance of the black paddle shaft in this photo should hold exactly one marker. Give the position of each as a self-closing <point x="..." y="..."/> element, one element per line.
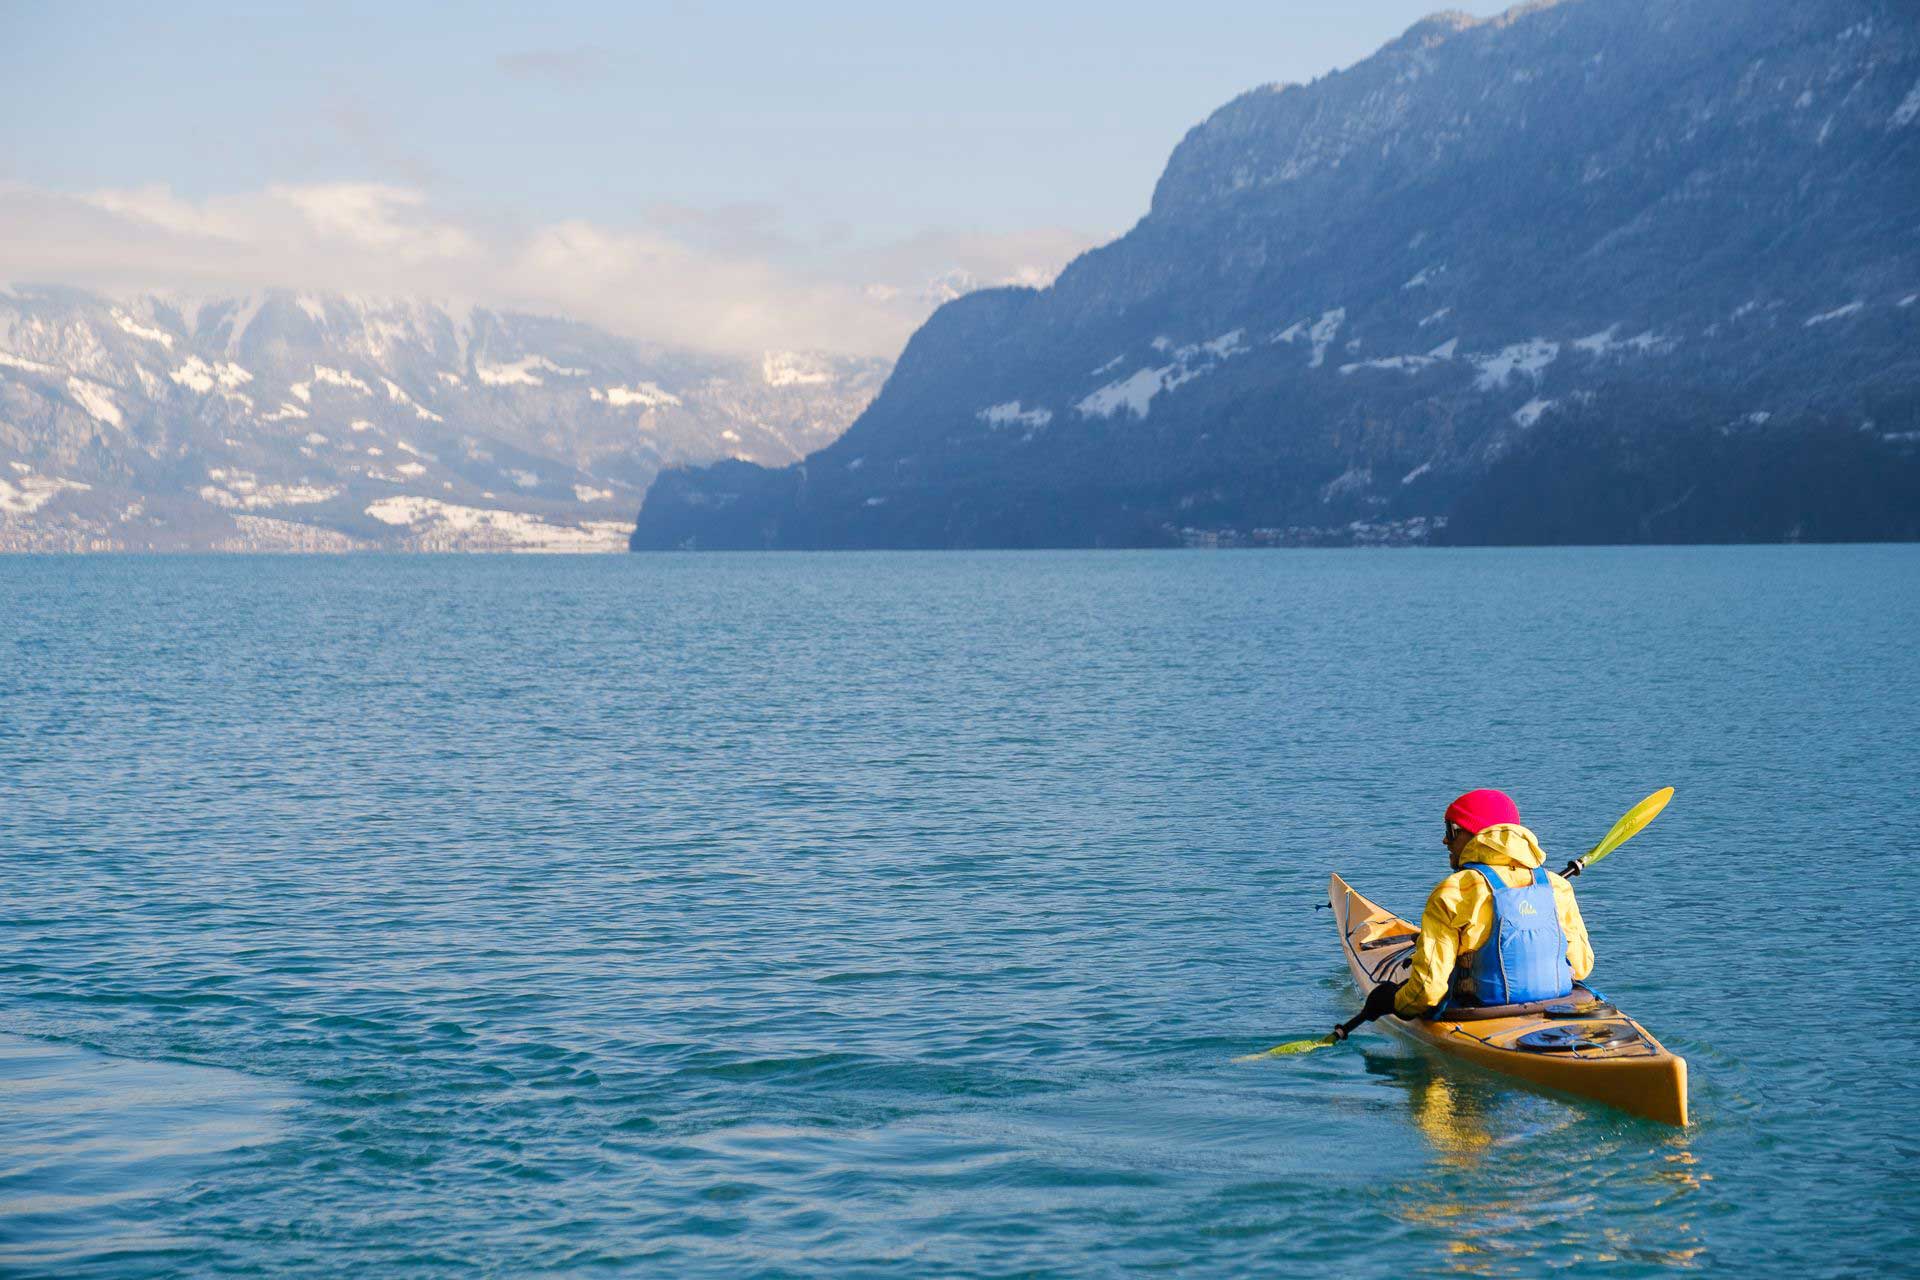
<point x="1379" y="1004"/>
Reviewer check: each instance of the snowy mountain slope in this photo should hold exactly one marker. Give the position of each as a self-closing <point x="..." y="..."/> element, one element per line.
<point x="284" y="421"/>
<point x="1659" y="258"/>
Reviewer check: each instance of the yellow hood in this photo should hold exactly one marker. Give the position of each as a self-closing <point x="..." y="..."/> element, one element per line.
<point x="1506" y="844"/>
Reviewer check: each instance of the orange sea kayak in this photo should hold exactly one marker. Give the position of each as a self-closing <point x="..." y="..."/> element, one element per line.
<point x="1578" y="1046"/>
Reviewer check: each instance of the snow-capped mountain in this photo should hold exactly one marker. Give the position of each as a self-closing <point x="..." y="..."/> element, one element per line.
<point x="1596" y="270"/>
<point x="296" y="421"/>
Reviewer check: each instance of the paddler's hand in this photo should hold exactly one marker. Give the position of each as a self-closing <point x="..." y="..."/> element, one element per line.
<point x="1379" y="1001"/>
<point x="1379" y="1004"/>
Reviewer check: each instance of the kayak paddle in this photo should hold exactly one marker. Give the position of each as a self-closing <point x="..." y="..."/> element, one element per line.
<point x="1334" y="1037"/>
<point x="1630" y="825"/>
<point x="1624" y="830"/>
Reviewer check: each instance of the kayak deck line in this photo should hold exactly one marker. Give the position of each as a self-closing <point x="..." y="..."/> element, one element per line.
<point x="1640" y="1048"/>
<point x="1626" y="1067"/>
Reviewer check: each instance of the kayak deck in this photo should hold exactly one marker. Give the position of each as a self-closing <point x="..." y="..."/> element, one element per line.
<point x="1614" y="1059"/>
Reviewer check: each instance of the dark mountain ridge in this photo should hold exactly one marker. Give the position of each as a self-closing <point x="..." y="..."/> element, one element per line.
<point x="1636" y="253"/>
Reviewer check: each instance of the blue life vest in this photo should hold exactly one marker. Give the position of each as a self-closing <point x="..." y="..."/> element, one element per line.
<point x="1525" y="957"/>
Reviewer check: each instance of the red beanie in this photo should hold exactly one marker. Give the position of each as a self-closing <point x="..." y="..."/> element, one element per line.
<point x="1478" y="810"/>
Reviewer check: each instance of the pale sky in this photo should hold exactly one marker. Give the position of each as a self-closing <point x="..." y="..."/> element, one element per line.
<point x="723" y="176"/>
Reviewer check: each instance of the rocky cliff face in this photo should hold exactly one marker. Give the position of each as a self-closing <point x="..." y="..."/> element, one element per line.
<point x="303" y="422"/>
<point x="1658" y="258"/>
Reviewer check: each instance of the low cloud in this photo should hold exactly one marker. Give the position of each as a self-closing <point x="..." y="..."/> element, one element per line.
<point x="729" y="280"/>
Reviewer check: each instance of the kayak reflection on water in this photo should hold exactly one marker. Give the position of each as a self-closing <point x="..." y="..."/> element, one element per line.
<point x="1455" y="1121"/>
<point x="1522" y="1181"/>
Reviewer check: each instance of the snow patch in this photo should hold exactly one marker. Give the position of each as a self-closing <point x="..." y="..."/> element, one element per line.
<point x="1352" y="480"/>
<point x="1134" y="393"/>
<point x="1011" y="414"/>
<point x="587" y="493"/>
<point x="94" y="399"/>
<point x="138" y="330"/>
<point x="1529" y="413"/>
<point x="1407" y="364"/>
<point x="1108" y="367"/>
<point x="646" y="394"/>
<point x="1322" y="334"/>
<point x="1838" y="313"/>
<point x="1416" y="473"/>
<point x="1909" y="109"/>
<point x="1530" y="358"/>
<point x="525" y="479"/>
<point x="411" y="469"/>
<point x="451" y="379"/>
<point x="12" y="361"/>
<point x="1908" y="300"/>
<point x="791" y="369"/>
<point x="197" y="375"/>
<point x="1597" y="343"/>
<point x="398" y="394"/>
<point x="1397" y="364"/>
<point x="235" y="490"/>
<point x="314" y="437"/>
<point x="1227" y="345"/>
<point x="1425" y="277"/>
<point x="1437" y="317"/>
<point x="284" y="412"/>
<point x="31" y="492"/>
<point x="1646" y="342"/>
<point x="339" y="378"/>
<point x="521" y="373"/>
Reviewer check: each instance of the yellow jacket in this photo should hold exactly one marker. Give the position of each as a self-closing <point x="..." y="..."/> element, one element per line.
<point x="1458" y="918"/>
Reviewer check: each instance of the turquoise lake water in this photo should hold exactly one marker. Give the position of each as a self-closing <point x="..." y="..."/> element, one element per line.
<point x="901" y="914"/>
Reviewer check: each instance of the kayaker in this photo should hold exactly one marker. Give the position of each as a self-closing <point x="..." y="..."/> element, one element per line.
<point x="1501" y="929"/>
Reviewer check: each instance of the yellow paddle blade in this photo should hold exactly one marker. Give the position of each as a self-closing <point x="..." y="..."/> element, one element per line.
<point x="1291" y="1046"/>
<point x="1629" y="826"/>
